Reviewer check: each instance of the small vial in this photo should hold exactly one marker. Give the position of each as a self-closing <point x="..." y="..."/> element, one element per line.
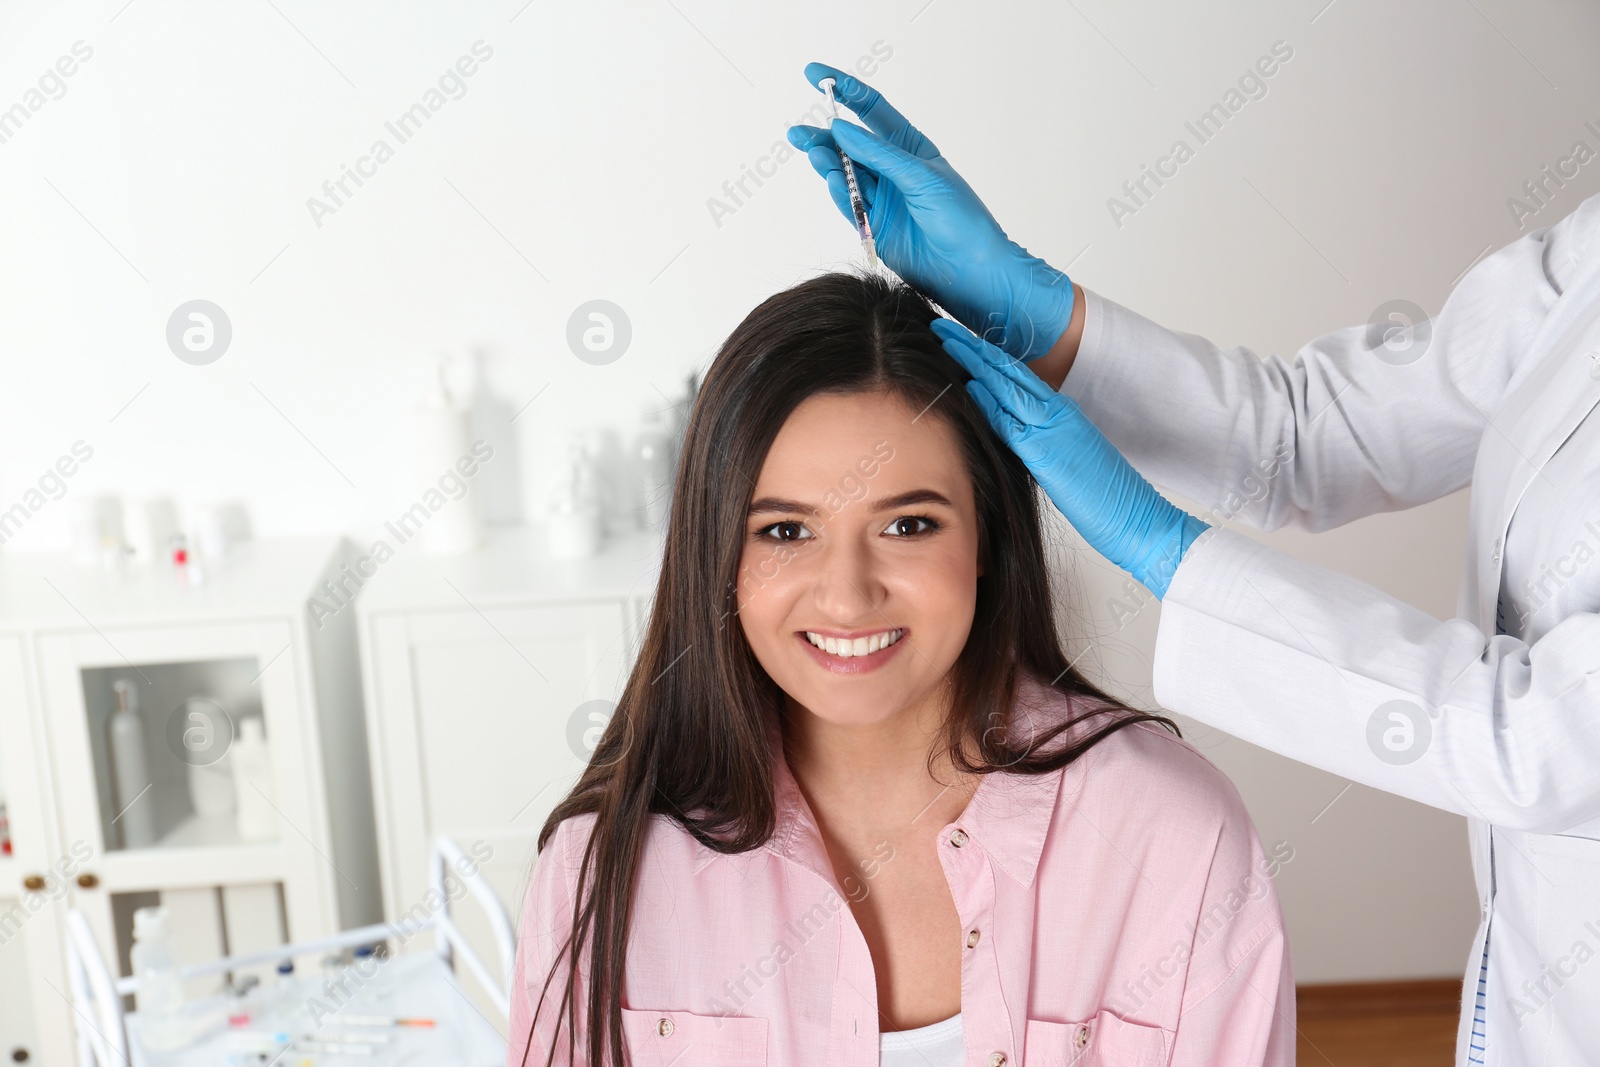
<point x="242" y="996"/>
<point x="282" y="1002"/>
<point x="372" y="971"/>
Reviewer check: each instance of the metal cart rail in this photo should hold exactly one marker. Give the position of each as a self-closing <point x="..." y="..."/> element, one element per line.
<point x="103" y="1029"/>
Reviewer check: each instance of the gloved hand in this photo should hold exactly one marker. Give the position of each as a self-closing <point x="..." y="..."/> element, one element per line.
<point x="1110" y="504"/>
<point x="931" y="228"/>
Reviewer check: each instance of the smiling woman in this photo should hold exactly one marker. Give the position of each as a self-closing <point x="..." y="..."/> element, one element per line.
<point x="854" y="805"/>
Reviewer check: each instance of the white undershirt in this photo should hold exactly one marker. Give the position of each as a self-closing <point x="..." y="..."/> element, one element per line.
<point x="935" y="1045"/>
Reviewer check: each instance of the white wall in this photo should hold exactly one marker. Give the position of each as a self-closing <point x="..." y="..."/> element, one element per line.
<point x="579" y="164"/>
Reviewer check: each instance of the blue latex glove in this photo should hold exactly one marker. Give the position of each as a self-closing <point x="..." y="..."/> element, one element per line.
<point x="931" y="228"/>
<point x="1109" y="503"/>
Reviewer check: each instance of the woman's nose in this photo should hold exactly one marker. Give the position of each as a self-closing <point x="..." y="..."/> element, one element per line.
<point x="847" y="582"/>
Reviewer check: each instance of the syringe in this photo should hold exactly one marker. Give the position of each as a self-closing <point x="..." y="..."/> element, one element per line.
<point x="857" y="205"/>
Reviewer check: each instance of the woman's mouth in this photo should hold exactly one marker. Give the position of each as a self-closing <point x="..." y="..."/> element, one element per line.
<point x="852" y="654"/>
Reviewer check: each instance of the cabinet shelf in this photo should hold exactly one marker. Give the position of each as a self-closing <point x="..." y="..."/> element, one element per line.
<point x="208" y="831"/>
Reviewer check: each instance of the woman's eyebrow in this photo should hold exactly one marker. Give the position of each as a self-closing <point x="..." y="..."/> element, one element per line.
<point x="775" y="505"/>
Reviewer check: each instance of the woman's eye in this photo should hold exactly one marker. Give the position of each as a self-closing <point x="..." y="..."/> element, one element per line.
<point x="899" y="527"/>
<point x="787" y="531"/>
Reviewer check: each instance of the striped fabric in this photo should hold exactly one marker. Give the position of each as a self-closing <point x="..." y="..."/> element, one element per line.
<point x="1480" y="1008"/>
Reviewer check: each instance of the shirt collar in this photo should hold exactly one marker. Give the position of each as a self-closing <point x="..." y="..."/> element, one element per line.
<point x="1009" y="815"/>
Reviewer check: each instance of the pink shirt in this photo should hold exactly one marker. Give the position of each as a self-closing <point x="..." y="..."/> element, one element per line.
<point x="1119" y="911"/>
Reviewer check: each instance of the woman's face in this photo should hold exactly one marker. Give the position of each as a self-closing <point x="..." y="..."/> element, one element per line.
<point x="862" y="534"/>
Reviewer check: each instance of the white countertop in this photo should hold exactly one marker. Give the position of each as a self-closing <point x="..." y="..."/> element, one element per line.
<point x="272" y="577"/>
<point x="511" y="566"/>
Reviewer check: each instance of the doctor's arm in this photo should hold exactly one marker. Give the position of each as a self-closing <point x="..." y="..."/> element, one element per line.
<point x="1312" y="663"/>
<point x="1353" y="425"/>
<point x="1326" y="669"/>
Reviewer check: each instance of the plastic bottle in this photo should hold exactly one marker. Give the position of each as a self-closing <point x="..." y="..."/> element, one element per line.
<point x="150" y="523"/>
<point x="160" y="993"/>
<point x="440" y="441"/>
<point x="211" y="788"/>
<point x="576" y="521"/>
<point x="130" y="775"/>
<point x="681" y="409"/>
<point x="654" y="449"/>
<point x="254" y="794"/>
<point x="97" y="537"/>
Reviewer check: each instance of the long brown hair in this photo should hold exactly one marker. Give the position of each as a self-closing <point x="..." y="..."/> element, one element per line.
<point x="687" y="739"/>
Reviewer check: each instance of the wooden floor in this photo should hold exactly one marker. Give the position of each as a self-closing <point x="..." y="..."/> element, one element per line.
<point x="1379" y="1024"/>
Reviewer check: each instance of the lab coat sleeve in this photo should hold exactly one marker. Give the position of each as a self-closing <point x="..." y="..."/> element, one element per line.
<point x="1329" y="670"/>
<point x="1338" y="433"/>
<point x="542" y="933"/>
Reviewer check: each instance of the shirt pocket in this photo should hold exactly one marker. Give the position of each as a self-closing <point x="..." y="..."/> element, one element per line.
<point x="1103" y="1041"/>
<point x="684" y="1039"/>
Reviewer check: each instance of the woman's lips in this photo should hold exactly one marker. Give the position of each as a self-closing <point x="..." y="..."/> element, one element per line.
<point x="852" y="664"/>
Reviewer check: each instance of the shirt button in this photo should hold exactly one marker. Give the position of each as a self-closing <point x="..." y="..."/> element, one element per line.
<point x="958" y="839"/>
<point x="972" y="939"/>
<point x="1081" y="1038"/>
<point x="1497" y="550"/>
<point x="664" y="1027"/>
<point x="996" y="1059"/>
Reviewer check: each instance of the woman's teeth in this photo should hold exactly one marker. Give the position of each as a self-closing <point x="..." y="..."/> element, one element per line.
<point x="845" y="647"/>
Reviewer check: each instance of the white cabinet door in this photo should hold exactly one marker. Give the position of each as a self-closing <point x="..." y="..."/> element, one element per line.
<point x="244" y="669"/>
<point x="35" y="1017"/>
<point x="478" y="725"/>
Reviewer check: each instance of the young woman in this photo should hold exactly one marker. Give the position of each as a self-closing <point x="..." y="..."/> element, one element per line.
<point x="854" y="806"/>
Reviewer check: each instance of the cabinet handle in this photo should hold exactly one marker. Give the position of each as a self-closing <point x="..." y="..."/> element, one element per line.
<point x="87" y="880"/>
<point x="34" y="882"/>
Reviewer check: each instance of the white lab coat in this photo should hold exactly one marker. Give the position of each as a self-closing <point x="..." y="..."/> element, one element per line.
<point x="1299" y="659"/>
